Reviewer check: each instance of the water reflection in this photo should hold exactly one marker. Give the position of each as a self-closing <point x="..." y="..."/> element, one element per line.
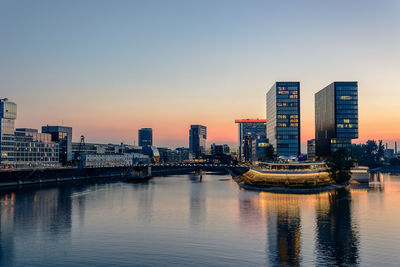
<point x="376" y="182"/>
<point x="198" y="212"/>
<point x="337" y="236"/>
<point x="284" y="230"/>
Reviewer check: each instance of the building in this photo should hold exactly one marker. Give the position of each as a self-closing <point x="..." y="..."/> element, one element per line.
<point x="34" y="149"/>
<point x="249" y="129"/>
<point x="197" y="140"/>
<point x="259" y="149"/>
<point x="311" y="149"/>
<point x="107" y="160"/>
<point x="219" y="149"/>
<point x="63" y="136"/>
<point x="283" y="118"/>
<point x="336" y="117"/>
<point x="183" y="153"/>
<point x="145" y="137"/>
<point x="8" y="115"/>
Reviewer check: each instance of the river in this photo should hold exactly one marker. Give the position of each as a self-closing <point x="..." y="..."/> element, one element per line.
<point x="180" y="220"/>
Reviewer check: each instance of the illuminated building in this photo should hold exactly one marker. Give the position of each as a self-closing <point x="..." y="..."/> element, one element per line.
<point x="145" y="137"/>
<point x="34" y="149"/>
<point x="336" y="117"/>
<point x="8" y="115"/>
<point x="197" y="139"/>
<point x="283" y="118"/>
<point x="249" y="129"/>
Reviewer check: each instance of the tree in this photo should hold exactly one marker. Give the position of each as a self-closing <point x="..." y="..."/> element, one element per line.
<point x="369" y="154"/>
<point x="339" y="166"/>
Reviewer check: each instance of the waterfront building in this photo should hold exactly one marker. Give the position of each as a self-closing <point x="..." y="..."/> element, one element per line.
<point x="34" y="149"/>
<point x="107" y="160"/>
<point x="249" y="129"/>
<point x="145" y="137"/>
<point x="219" y="149"/>
<point x="336" y="117"/>
<point x="63" y="136"/>
<point x="283" y="118"/>
<point x="259" y="149"/>
<point x="8" y="115"/>
<point x="183" y="153"/>
<point x="311" y="149"/>
<point x="197" y="140"/>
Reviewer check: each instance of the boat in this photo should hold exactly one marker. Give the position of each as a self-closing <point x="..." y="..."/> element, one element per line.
<point x="287" y="174"/>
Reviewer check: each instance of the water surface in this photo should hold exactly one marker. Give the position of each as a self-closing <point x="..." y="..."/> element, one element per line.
<point x="179" y="220"/>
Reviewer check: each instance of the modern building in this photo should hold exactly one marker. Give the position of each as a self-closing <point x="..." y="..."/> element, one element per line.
<point x="107" y="160"/>
<point x="145" y="137"/>
<point x="63" y="136"/>
<point x="259" y="149"/>
<point x="34" y="149"/>
<point x="219" y="149"/>
<point x="336" y="117"/>
<point x="311" y="149"/>
<point x="197" y="140"/>
<point x="8" y="115"/>
<point x="283" y="118"/>
<point x="249" y="129"/>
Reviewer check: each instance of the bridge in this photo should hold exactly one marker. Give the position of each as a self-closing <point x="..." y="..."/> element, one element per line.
<point x="17" y="177"/>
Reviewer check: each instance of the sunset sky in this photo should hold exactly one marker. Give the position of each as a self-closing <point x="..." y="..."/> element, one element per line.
<point x="108" y="68"/>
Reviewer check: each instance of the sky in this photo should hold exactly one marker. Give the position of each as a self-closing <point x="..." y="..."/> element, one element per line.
<point x="108" y="68"/>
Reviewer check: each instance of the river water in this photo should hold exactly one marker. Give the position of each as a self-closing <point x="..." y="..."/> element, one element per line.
<point x="179" y="220"/>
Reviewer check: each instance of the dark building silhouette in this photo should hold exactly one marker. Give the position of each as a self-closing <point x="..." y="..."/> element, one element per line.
<point x="63" y="136"/>
<point x="197" y="139"/>
<point x="145" y="137"/>
<point x="249" y="129"/>
<point x="336" y="117"/>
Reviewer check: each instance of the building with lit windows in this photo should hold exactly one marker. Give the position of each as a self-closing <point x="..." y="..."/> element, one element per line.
<point x="34" y="149"/>
<point x="249" y="130"/>
<point x="283" y="118"/>
<point x="311" y="149"/>
<point x="197" y="140"/>
<point x="63" y="136"/>
<point x="145" y="137"/>
<point x="8" y="115"/>
<point x="336" y="117"/>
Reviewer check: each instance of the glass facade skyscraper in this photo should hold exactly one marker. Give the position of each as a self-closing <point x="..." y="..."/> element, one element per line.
<point x="145" y="137"/>
<point x="336" y="117"/>
<point x="197" y="139"/>
<point x="8" y="115"/>
<point x="283" y="118"/>
<point x="249" y="129"/>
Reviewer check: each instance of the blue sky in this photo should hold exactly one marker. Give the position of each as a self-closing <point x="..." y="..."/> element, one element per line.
<point x="110" y="67"/>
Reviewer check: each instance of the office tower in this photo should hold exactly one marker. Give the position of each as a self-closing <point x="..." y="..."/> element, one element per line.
<point x="197" y="139"/>
<point x="249" y="129"/>
<point x="311" y="149"/>
<point x="63" y="136"/>
<point x="34" y="149"/>
<point x="283" y="118"/>
<point x="145" y="137"/>
<point x="8" y="115"/>
<point x="336" y="117"/>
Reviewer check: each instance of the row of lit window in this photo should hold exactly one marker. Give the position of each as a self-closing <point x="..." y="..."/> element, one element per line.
<point x="286" y="104"/>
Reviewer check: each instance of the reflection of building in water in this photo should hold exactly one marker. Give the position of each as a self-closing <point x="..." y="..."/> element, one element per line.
<point x="337" y="238"/>
<point x="197" y="202"/>
<point x="284" y="230"/>
<point x="7" y="229"/>
<point x="29" y="211"/>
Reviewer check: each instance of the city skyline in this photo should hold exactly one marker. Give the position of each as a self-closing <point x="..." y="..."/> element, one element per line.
<point x="115" y="70"/>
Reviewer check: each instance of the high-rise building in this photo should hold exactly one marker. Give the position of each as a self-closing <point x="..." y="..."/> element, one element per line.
<point x="283" y="118"/>
<point x="197" y="139"/>
<point x="8" y="115"/>
<point x="249" y="129"/>
<point x="336" y="117"/>
<point x="63" y="136"/>
<point x="145" y="137"/>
